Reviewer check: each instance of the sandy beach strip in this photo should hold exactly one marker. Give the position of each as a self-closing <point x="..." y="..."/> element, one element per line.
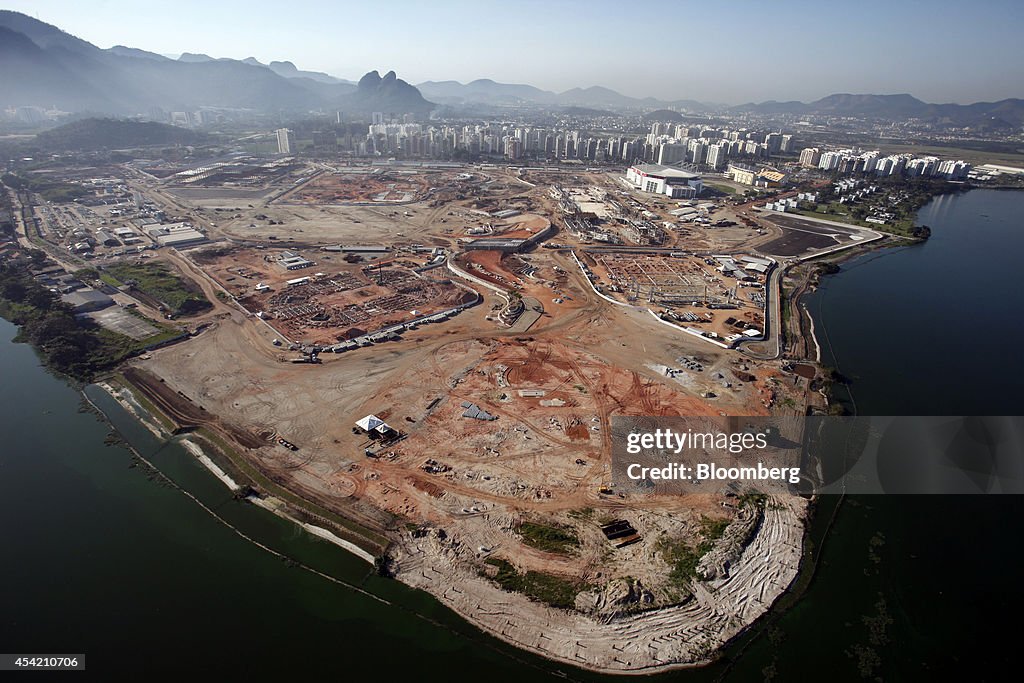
<point x="197" y="450"/>
<point x="280" y="508"/>
<point x="126" y="399"/>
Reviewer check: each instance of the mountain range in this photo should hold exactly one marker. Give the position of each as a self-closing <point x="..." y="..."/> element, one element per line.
<point x="486" y="91"/>
<point x="1004" y="114"/>
<point x="42" y="65"/>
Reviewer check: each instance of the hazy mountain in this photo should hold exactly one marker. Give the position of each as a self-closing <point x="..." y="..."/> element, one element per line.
<point x="384" y="94"/>
<point x="122" y="51"/>
<point x="486" y="91"/>
<point x="289" y="70"/>
<point x="44" y="35"/>
<point x="773" y="107"/>
<point x="44" y="66"/>
<point x="902" y="105"/>
<point x="283" y="69"/>
<point x="663" y="115"/>
<point x="1007" y="113"/>
<point x="195" y="57"/>
<point x="324" y="86"/>
<point x="598" y="96"/>
<point x="31" y="75"/>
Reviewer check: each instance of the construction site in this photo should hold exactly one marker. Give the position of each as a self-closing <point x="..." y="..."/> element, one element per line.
<point x="721" y="295"/>
<point x="242" y="173"/>
<point x="472" y="451"/>
<point x="323" y="302"/>
<point x="801" y="236"/>
<point x="502" y="469"/>
<point x="359" y="186"/>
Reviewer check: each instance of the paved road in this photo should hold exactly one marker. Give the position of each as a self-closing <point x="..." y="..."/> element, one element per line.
<point x="534" y="310"/>
<point x="771" y="347"/>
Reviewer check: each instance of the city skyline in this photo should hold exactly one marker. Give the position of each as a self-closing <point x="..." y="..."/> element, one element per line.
<point x="938" y="52"/>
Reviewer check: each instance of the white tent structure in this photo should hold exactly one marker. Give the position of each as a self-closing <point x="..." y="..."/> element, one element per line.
<point x="372" y="423"/>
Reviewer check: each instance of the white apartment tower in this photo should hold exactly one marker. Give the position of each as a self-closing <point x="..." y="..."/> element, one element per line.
<point x="716" y="156"/>
<point x="285" y="141"/>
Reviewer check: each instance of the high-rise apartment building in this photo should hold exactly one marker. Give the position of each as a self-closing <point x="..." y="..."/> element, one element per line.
<point x="810" y="156"/>
<point x="285" y="141"/>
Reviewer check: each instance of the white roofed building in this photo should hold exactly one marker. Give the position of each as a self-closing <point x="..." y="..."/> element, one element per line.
<point x="665" y="180"/>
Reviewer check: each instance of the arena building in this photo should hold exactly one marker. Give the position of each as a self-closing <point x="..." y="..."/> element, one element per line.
<point x="665" y="180"/>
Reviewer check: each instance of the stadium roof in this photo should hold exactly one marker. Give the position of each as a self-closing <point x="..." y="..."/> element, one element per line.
<point x="664" y="171"/>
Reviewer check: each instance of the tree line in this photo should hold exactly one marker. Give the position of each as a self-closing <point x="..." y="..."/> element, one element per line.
<point x="72" y="346"/>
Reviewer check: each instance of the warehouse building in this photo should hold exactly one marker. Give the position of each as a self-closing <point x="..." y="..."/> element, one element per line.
<point x="175" y="234"/>
<point x="292" y="261"/>
<point x="86" y="300"/>
<point x="763" y="177"/>
<point x="106" y="239"/>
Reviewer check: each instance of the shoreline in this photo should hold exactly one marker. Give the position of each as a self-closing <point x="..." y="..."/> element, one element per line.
<point x="200" y="455"/>
<point x="270" y="503"/>
<point x="802" y="308"/>
<point x="279" y="508"/>
<point x="690" y="635"/>
<point x="857" y="253"/>
<point x="131" y="404"/>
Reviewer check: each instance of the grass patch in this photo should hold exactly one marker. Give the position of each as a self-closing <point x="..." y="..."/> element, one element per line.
<point x="556" y="591"/>
<point x="56" y="191"/>
<point x="712" y="529"/>
<point x="683" y="557"/>
<point x="109" y="279"/>
<point x="724" y="189"/>
<point x="180" y="296"/>
<point x="121" y="346"/>
<point x="549" y="538"/>
<point x="753" y="499"/>
<point x="903" y="226"/>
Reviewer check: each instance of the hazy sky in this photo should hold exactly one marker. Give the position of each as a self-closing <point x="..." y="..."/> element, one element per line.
<point x="730" y="52"/>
